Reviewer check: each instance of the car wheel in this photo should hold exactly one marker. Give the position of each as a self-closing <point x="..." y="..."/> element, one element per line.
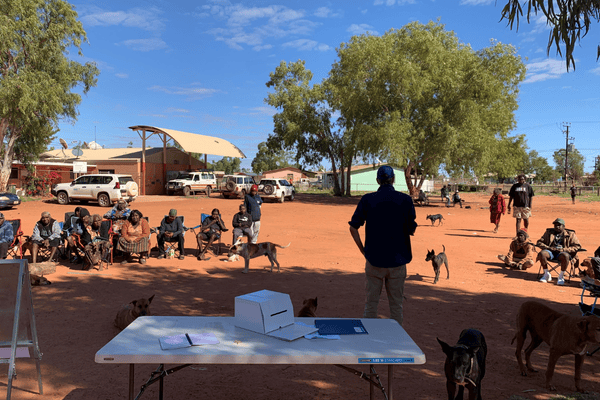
<point x="63" y="198"/>
<point x="169" y="193"/>
<point x="208" y="190"/>
<point x="282" y="198"/>
<point x="187" y="191"/>
<point x="104" y="200"/>
<point x="292" y="196"/>
<point x="269" y="189"/>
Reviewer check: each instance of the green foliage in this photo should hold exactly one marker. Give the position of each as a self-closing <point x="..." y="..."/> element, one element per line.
<point x="40" y="185"/>
<point x="36" y="76"/>
<point x="230" y="165"/>
<point x="569" y="21"/>
<point x="575" y="163"/>
<point x="533" y="163"/>
<point x="267" y="159"/>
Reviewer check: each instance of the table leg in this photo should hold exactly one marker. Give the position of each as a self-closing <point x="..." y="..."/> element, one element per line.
<point x="161" y="382"/>
<point x="371" y="387"/>
<point x="390" y="390"/>
<point x="131" y="380"/>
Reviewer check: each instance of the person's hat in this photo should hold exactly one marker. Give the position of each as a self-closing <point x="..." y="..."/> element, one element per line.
<point x="173" y="212"/>
<point x="559" y="221"/>
<point x="385" y="172"/>
<point x="254" y="187"/>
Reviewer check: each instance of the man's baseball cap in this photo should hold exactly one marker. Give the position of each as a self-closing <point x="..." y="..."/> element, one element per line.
<point x="254" y="187"/>
<point x="559" y="221"/>
<point x="385" y="172"/>
<point x="173" y="212"/>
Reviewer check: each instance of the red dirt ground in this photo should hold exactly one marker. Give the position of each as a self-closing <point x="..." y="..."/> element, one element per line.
<point x="75" y="314"/>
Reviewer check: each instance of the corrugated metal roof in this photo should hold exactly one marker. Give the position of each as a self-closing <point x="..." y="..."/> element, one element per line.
<point x="194" y="143"/>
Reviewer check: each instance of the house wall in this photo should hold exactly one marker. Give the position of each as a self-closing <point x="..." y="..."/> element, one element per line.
<point x="285" y="174"/>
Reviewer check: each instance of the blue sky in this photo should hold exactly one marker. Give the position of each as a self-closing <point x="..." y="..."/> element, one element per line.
<point x="201" y="66"/>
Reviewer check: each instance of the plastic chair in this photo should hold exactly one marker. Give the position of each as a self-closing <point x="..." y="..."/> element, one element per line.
<point x="14" y="248"/>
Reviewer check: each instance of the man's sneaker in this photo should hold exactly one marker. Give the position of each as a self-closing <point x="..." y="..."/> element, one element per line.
<point x="546" y="278"/>
<point x="161" y="256"/>
<point x="560" y="281"/>
<point x="501" y="257"/>
<point x="182" y="256"/>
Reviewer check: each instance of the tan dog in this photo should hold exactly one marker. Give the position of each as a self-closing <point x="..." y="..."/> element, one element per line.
<point x="565" y="335"/>
<point x="128" y="313"/>
<point x="39" y="280"/>
<point x="587" y="270"/>
<point x="251" y="250"/>
<point x="309" y="308"/>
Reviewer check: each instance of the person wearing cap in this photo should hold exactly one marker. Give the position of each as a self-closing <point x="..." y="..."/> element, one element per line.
<point x="522" y="195"/>
<point x="171" y="230"/>
<point x="6" y="236"/>
<point x="389" y="216"/>
<point x="456" y="199"/>
<point x="520" y="252"/>
<point x="46" y="233"/>
<point x="253" y="202"/>
<point x="560" y="244"/>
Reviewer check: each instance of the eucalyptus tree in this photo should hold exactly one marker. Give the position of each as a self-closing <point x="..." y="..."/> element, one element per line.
<point x="574" y="160"/>
<point x="419" y="98"/>
<point x="37" y="76"/>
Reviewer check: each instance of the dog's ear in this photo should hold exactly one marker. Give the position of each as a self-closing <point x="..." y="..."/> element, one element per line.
<point x="446" y="348"/>
<point x="134" y="302"/>
<point x="150" y="299"/>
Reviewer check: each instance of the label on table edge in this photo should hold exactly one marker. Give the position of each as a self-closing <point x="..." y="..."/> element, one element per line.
<point x="394" y="360"/>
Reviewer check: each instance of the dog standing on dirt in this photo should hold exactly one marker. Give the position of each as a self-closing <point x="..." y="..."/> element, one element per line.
<point x="251" y="250"/>
<point x="308" y="309"/>
<point x="465" y="364"/>
<point x="128" y="313"/>
<point x="563" y="333"/>
<point x="435" y="217"/>
<point x="437" y="262"/>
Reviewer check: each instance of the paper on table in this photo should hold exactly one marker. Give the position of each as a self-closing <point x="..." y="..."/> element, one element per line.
<point x="187" y="340"/>
<point x="316" y="335"/>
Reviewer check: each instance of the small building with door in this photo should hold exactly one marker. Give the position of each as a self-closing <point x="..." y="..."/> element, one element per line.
<point x="363" y="178"/>
<point x="290" y="174"/>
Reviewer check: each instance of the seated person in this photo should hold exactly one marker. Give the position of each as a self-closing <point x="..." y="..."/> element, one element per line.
<point x="119" y="214"/>
<point x="242" y="224"/>
<point x="520" y="252"/>
<point x="210" y="231"/>
<point x="80" y="230"/>
<point x="46" y="233"/>
<point x="6" y="236"/>
<point x="171" y="230"/>
<point x="97" y="245"/>
<point x="456" y="199"/>
<point x="559" y="244"/>
<point x="135" y="236"/>
<point x="422" y="197"/>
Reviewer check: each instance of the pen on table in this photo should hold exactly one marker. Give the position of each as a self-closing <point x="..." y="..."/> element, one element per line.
<point x="188" y="338"/>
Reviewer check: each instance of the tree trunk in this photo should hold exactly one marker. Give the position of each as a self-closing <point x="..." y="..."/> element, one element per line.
<point x="412" y="190"/>
<point x="348" y="188"/>
<point x="7" y="160"/>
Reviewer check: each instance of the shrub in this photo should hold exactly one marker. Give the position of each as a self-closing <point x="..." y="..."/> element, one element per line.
<point x="40" y="185"/>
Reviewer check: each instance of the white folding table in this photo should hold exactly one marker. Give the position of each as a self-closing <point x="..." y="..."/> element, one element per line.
<point x="386" y="343"/>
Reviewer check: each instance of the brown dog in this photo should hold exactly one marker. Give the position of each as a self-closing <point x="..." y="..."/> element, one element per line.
<point x="565" y="335"/>
<point x="251" y="250"/>
<point x="128" y="313"/>
<point x="309" y="308"/>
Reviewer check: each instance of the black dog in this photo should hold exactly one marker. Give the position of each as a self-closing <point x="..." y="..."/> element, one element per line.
<point x="465" y="364"/>
<point x="437" y="262"/>
<point x="436" y="217"/>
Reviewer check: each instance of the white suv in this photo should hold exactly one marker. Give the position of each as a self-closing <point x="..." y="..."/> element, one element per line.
<point x="236" y="185"/>
<point x="276" y="189"/>
<point x="104" y="188"/>
<point x="189" y="183"/>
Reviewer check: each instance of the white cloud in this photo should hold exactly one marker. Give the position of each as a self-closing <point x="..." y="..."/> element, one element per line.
<point x="595" y="71"/>
<point x="146" y="19"/>
<point x="359" y="29"/>
<point x="192" y="93"/>
<point x="307" y="44"/>
<point x="269" y="111"/>
<point x="543" y="70"/>
<point x="176" y="110"/>
<point x="392" y="2"/>
<point x="476" y="2"/>
<point x="144" y="44"/>
<point x="121" y="75"/>
<point x="322" y="12"/>
<point x="264" y="47"/>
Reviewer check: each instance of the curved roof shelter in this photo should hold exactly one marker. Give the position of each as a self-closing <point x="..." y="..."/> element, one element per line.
<point x="189" y="142"/>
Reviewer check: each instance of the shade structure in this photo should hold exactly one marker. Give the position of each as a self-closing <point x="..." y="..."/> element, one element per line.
<point x="189" y="142"/>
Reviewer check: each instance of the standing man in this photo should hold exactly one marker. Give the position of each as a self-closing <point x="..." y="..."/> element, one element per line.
<point x="390" y="221"/>
<point x="171" y="230"/>
<point x="6" y="236"/>
<point x="573" y="193"/>
<point x="522" y="195"/>
<point x="253" y="202"/>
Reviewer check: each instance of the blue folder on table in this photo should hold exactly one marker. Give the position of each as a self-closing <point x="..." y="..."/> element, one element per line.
<point x="340" y="327"/>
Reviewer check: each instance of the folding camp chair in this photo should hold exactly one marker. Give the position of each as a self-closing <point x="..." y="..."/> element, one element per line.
<point x="14" y="249"/>
<point x="217" y="243"/>
<point x="554" y="266"/>
<point x="590" y="285"/>
<point x="172" y="244"/>
<point x="105" y="234"/>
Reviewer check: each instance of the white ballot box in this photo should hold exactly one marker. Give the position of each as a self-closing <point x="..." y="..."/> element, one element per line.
<point x="270" y="313"/>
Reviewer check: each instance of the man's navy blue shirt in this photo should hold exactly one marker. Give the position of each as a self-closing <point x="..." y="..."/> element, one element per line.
<point x="390" y="218"/>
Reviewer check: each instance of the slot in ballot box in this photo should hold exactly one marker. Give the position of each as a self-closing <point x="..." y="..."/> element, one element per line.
<point x="270" y="313"/>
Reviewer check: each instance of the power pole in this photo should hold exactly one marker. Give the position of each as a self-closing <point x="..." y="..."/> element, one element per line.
<point x="567" y="125"/>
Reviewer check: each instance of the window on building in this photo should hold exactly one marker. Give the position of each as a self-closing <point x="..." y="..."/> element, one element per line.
<point x="106" y="171"/>
<point x="14" y="173"/>
<point x="175" y="162"/>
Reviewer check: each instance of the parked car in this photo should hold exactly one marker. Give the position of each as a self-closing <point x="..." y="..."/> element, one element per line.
<point x="104" y="188"/>
<point x="8" y="200"/>
<point x="189" y="183"/>
<point x="235" y="185"/>
<point x="277" y="189"/>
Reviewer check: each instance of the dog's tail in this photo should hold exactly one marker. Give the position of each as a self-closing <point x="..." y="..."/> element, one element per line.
<point x="444" y="248"/>
<point x="283" y="247"/>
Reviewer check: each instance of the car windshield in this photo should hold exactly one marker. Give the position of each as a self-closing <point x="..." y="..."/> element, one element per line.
<point x="184" y="176"/>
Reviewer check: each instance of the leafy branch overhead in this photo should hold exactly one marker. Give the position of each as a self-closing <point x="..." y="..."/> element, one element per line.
<point x="570" y="21"/>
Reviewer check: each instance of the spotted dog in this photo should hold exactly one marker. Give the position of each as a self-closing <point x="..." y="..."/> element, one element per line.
<point x="251" y="250"/>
